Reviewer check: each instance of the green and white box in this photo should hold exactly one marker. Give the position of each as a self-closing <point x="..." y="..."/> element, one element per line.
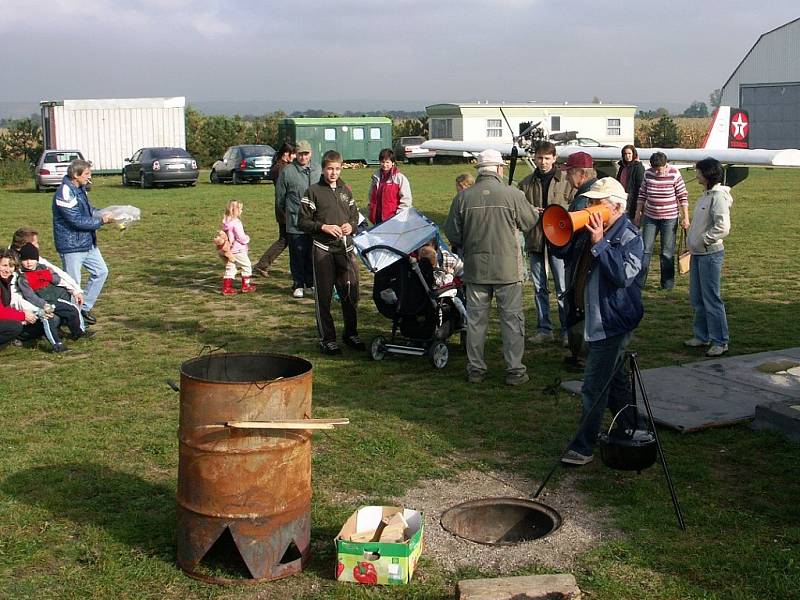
<point x="378" y="562"/>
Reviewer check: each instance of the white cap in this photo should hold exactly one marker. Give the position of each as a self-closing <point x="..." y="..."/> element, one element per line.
<point x="489" y="158"/>
<point x="607" y="187"/>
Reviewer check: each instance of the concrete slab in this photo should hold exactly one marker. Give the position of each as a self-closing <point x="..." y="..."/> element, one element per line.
<point x="764" y="370"/>
<point x="718" y="391"/>
<point x="527" y="587"/>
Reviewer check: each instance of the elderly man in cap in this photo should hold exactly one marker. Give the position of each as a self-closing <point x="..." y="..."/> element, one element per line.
<point x="291" y="186"/>
<point x="484" y="223"/>
<point x="605" y="291"/>
<point x="581" y="175"/>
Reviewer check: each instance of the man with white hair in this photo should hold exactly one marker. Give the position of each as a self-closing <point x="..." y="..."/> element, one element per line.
<point x="606" y="294"/>
<point x="484" y="223"/>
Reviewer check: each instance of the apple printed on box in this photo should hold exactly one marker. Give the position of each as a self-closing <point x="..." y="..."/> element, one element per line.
<point x="370" y="563"/>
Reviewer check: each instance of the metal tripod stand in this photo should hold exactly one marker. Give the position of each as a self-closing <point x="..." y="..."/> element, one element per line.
<point x="636" y="380"/>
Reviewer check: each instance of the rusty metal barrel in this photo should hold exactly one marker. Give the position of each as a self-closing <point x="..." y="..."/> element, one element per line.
<point x="254" y="483"/>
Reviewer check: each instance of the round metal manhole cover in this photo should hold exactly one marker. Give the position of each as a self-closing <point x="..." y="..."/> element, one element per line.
<point x="501" y="521"/>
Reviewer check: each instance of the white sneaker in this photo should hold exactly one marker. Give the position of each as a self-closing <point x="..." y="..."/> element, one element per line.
<point x="576" y="458"/>
<point x="541" y="337"/>
<point x="695" y="343"/>
<point x="717" y="350"/>
<point x="297" y="293"/>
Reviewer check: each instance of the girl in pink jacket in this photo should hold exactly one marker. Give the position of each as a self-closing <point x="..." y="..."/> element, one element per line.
<point x="239" y="240"/>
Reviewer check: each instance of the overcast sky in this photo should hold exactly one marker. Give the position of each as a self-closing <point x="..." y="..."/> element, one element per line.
<point x="378" y="54"/>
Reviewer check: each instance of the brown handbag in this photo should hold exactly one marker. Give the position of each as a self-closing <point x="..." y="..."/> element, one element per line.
<point x="684" y="256"/>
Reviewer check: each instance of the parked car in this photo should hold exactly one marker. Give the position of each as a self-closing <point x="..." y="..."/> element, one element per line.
<point x="583" y="141"/>
<point x="241" y="164"/>
<point x="408" y="149"/>
<point x="160" y="166"/>
<point x="52" y="166"/>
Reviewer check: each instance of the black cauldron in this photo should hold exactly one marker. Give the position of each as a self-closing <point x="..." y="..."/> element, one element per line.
<point x="634" y="453"/>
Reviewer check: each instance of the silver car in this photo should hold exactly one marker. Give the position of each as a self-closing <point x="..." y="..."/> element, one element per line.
<point x="52" y="166"/>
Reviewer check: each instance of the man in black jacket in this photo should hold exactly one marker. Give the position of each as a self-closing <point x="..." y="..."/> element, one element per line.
<point x="328" y="212"/>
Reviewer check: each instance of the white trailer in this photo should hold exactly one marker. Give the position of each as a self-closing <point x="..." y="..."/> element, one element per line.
<point x="109" y="130"/>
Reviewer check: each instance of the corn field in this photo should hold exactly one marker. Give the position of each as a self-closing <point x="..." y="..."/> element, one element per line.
<point x="691" y="131"/>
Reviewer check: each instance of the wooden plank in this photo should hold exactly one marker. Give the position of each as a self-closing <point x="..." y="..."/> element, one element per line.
<point x="289" y="424"/>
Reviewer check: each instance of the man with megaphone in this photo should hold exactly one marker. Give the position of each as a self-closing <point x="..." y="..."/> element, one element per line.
<point x="604" y="293"/>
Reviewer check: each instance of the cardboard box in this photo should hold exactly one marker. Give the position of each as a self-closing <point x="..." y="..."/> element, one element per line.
<point x="376" y="562"/>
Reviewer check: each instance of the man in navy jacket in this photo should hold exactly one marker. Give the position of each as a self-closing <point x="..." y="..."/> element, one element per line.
<point x="605" y="291"/>
<point x="74" y="231"/>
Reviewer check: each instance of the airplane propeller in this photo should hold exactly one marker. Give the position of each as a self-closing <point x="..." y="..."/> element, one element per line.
<point x="526" y="140"/>
<point x="514" y="155"/>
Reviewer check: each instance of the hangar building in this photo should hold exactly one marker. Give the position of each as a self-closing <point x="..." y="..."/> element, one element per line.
<point x="767" y="84"/>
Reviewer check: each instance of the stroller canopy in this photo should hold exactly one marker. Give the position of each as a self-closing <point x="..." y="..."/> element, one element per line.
<point x="400" y="235"/>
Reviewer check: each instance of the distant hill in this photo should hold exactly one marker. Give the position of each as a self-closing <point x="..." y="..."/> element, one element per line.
<point x="21" y="110"/>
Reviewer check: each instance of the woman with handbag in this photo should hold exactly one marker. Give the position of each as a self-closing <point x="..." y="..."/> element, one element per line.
<point x="710" y="224"/>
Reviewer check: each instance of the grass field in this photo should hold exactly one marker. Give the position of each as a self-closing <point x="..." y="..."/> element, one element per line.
<point x="89" y="449"/>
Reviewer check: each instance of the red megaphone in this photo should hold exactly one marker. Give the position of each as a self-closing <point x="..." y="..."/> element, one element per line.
<point x="560" y="225"/>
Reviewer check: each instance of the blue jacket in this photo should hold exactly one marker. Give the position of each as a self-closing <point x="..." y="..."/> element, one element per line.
<point x="74" y="226"/>
<point x="612" y="301"/>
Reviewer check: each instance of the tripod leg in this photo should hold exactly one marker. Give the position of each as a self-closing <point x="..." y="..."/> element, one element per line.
<point x="638" y="375"/>
<point x="549" y="475"/>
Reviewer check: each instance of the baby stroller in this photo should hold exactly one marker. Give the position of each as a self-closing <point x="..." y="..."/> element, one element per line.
<point x="423" y="318"/>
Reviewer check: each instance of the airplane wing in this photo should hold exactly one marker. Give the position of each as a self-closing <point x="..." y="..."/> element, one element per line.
<point x="466" y="146"/>
<point x="729" y="156"/>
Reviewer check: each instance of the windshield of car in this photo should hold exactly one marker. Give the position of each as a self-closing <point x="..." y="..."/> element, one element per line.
<point x="412" y="141"/>
<point x="169" y="153"/>
<point x="265" y="150"/>
<point x="61" y="157"/>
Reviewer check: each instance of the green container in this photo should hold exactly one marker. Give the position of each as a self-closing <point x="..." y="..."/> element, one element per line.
<point x="357" y="139"/>
<point x="378" y="563"/>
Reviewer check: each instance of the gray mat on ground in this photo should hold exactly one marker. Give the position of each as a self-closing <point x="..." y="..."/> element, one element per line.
<point x="718" y="391"/>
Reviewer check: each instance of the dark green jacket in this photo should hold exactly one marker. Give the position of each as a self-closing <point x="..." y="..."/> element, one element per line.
<point x="484" y="223"/>
<point x="292" y="184"/>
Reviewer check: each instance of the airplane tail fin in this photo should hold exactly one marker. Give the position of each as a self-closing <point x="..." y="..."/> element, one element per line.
<point x="717" y="135"/>
<point x="729" y="129"/>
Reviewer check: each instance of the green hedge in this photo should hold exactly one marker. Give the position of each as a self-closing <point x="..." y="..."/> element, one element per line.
<point x="15" y="171"/>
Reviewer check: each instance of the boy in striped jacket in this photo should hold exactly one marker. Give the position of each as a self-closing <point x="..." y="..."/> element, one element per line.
<point x="662" y="200"/>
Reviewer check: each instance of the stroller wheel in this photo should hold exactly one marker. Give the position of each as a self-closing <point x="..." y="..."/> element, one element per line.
<point x="377" y="348"/>
<point x="438" y="354"/>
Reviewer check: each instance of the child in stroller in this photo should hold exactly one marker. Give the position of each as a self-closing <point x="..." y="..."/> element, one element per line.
<point x="422" y="299"/>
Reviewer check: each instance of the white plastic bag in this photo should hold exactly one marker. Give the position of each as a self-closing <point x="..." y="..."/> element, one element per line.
<point x="122" y="215"/>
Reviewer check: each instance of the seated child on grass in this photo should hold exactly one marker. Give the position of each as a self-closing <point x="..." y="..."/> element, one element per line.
<point x="44" y="289"/>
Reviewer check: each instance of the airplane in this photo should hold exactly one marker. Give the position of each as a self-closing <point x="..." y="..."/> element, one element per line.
<point x="725" y="140"/>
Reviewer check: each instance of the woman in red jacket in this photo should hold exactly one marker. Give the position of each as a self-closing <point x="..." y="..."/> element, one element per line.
<point x="389" y="191"/>
<point x="13" y="322"/>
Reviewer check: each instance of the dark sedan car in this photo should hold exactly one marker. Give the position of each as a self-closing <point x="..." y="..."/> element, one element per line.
<point x="240" y="164"/>
<point x="160" y="166"/>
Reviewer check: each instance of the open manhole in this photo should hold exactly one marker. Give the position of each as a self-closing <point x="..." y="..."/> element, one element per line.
<point x="501" y="521"/>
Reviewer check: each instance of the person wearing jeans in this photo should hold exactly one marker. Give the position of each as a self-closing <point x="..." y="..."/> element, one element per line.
<point x="606" y="383"/>
<point x="545" y="186"/>
<point x="75" y="233"/>
<point x="290" y="189"/>
<point x="662" y="200"/>
<point x="711" y="222"/>
<point x="666" y="229"/>
<point x="605" y="292"/>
